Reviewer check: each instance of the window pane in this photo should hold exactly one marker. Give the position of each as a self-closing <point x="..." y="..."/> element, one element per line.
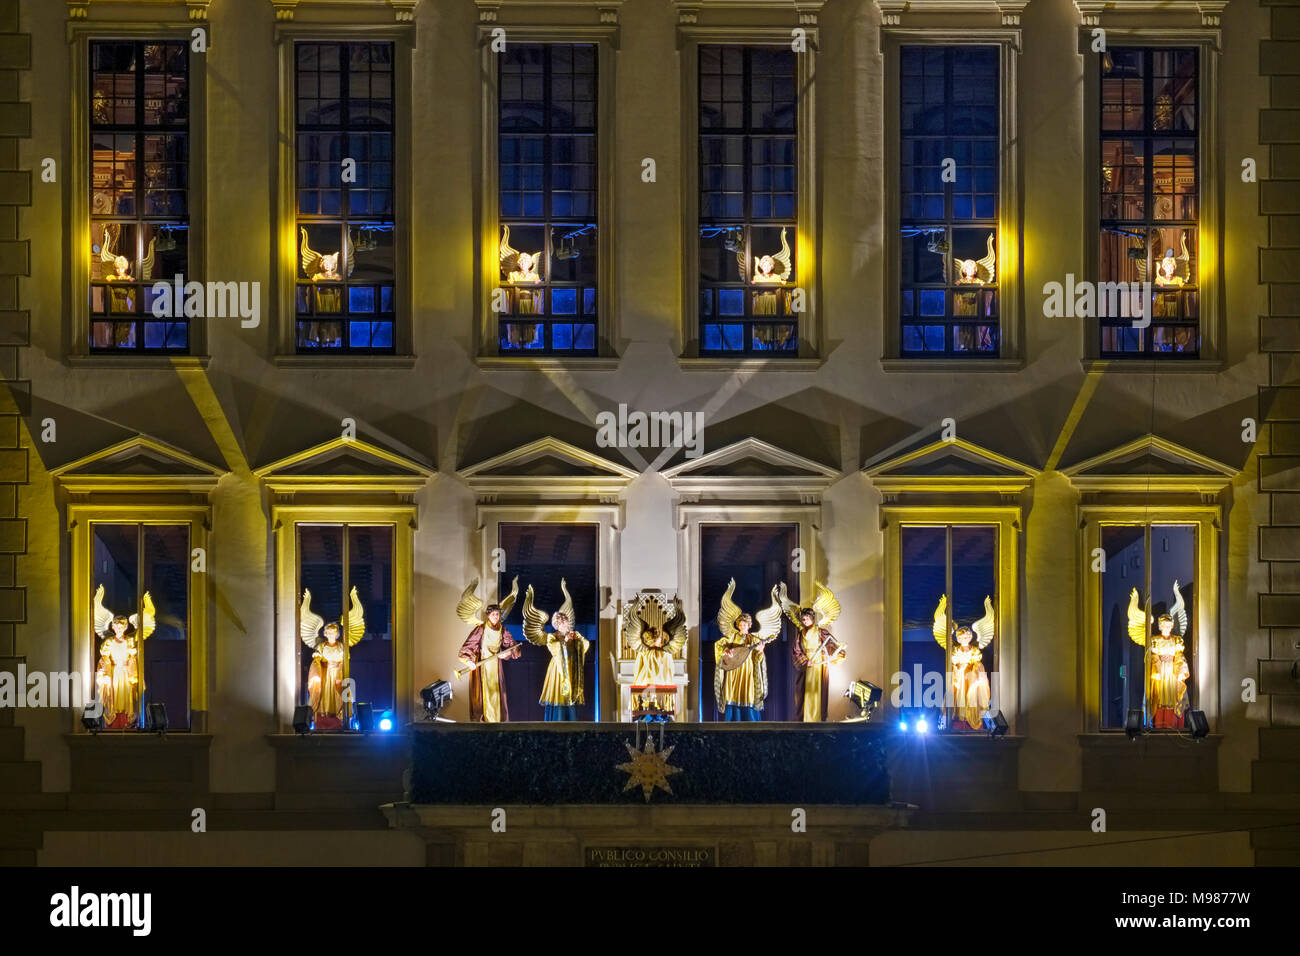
<point x="166" y="651"/>
<point x="923" y="580"/>
<point x="370" y="573"/>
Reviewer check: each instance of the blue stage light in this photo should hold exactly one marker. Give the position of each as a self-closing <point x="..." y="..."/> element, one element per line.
<point x="902" y="725"/>
<point x="922" y="727"/>
<point x="386" y="721"/>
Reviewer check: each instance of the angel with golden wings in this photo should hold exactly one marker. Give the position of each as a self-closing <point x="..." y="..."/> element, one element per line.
<point x="1166" y="663"/>
<point x="562" y="690"/>
<point x="329" y="660"/>
<point x="119" y="676"/>
<point x="968" y="681"/>
<point x="325" y="268"/>
<point x="483" y="651"/>
<point x="815" y="651"/>
<point x="740" y="671"/>
<point x="655" y="629"/>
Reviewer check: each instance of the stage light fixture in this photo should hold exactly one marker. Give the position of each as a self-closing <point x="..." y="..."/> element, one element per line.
<point x="365" y="717"/>
<point x="302" y="719"/>
<point x="158" y="718"/>
<point x="92" y="718"/>
<point x="386" y="721"/>
<point x="435" y="697"/>
<point x="922" y="726"/>
<point x="866" y="695"/>
<point x="995" y="724"/>
<point x="1134" y="724"/>
<point x="1195" y="721"/>
<point x="902" y="725"/>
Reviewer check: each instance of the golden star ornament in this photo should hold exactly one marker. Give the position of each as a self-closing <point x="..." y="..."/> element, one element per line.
<point x="648" y="768"/>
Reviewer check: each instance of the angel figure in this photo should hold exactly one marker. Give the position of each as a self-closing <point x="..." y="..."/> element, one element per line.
<point x="484" y="650"/>
<point x="321" y="268"/>
<point x="1166" y="666"/>
<point x="120" y="265"/>
<point x="656" y="630"/>
<point x="765" y="266"/>
<point x="1175" y="271"/>
<point x="119" y="676"/>
<point x="329" y="659"/>
<point x="562" y="689"/>
<point x="815" y="651"/>
<point x="977" y="271"/>
<point x="520" y="266"/>
<point x="969" y="682"/>
<point x="740" y="672"/>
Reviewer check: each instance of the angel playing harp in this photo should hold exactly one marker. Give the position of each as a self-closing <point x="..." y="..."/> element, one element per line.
<point x="322" y="268"/>
<point x="969" y="681"/>
<point x="815" y="651"/>
<point x="977" y="271"/>
<point x="520" y="267"/>
<point x="765" y="266"/>
<point x="329" y="659"/>
<point x="740" y="672"/>
<point x="656" y="631"/>
<point x="119" y="676"/>
<point x="1166" y="664"/>
<point x="562" y="690"/>
<point x="483" y="651"/>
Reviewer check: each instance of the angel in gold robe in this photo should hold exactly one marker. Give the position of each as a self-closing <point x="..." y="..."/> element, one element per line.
<point x="967" y="681"/>
<point x="325" y="268"/>
<point x="740" y="666"/>
<point x="329" y="660"/>
<point x="656" y="630"/>
<point x="1166" y="664"/>
<point x="562" y="690"/>
<point x="484" y="650"/>
<point x="815" y="651"/>
<point x="119" y="675"/>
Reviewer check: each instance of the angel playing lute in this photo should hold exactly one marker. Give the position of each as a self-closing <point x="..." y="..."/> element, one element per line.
<point x="815" y="651"/>
<point x="969" y="681"/>
<point x="1166" y="662"/>
<point x="329" y="660"/>
<point x="740" y="673"/>
<point x="562" y="690"/>
<point x="119" y="674"/>
<point x="483" y="651"/>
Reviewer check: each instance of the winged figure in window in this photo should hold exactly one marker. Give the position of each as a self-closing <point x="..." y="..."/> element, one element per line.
<point x="119" y="674"/>
<point x="520" y="267"/>
<point x="815" y="650"/>
<point x="120" y="265"/>
<point x="482" y="653"/>
<point x="325" y="268"/>
<point x="969" y="679"/>
<point x="977" y="271"/>
<point x="562" y="690"/>
<point x="765" y="266"/>
<point x="655" y="629"/>
<point x="329" y="644"/>
<point x="1166" y="662"/>
<point x="740" y="672"/>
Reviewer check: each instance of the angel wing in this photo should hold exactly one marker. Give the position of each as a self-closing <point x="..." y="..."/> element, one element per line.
<point x="349" y="253"/>
<point x="728" y="611"/>
<point x="567" y="607"/>
<point x="941" y="622"/>
<point x="825" y="608"/>
<point x="783" y="257"/>
<point x="1178" y="611"/>
<point x="107" y="248"/>
<point x="470" y="608"/>
<point x="146" y="264"/>
<point x="534" y="620"/>
<point x="675" y="627"/>
<point x="987" y="267"/>
<point x="986" y="627"/>
<point x="509" y="601"/>
<point x="1185" y="260"/>
<point x="103" y="616"/>
<point x="308" y="257"/>
<point x="356" y="624"/>
<point x="507" y="253"/>
<point x="633" y="625"/>
<point x="309" y="622"/>
<point x="147" y="613"/>
<point x="1137" y="620"/>
<point x="788" y="607"/>
<point x="769" y="619"/>
<point x="742" y="259"/>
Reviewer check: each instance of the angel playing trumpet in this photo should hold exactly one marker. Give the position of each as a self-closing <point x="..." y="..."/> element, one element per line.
<point x="815" y="651"/>
<point x="483" y="651"/>
<point x="329" y="660"/>
<point x="1166" y="662"/>
<point x="119" y="676"/>
<point x="740" y="674"/>
<point x="968" y="681"/>
<point x="562" y="690"/>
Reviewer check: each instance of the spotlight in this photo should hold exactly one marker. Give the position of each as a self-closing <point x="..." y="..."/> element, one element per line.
<point x="92" y="718"/>
<point x="365" y="717"/>
<point x="902" y="725"/>
<point x="866" y="695"/>
<point x="1194" y="721"/>
<point x="302" y="719"/>
<point x="386" y="721"/>
<point x="922" y="726"/>
<point x="158" y="718"/>
<point x="1134" y="725"/>
<point x="994" y="724"/>
<point x="435" y="697"/>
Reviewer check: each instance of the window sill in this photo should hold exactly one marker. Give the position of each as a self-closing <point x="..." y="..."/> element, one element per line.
<point x="109" y="360"/>
<point x="1147" y="366"/>
<point x="720" y="363"/>
<point x="546" y="363"/>
<point x="952" y="365"/>
<point x="323" y="360"/>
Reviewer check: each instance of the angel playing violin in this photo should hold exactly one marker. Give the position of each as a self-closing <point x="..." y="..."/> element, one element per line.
<point x="1166" y="663"/>
<point x="740" y="673"/>
<point x="329" y="660"/>
<point x="483" y="651"/>
<point x="562" y="691"/>
<point x="119" y="675"/>
<point x="969" y="682"/>
<point x="815" y="651"/>
<point x="656" y="630"/>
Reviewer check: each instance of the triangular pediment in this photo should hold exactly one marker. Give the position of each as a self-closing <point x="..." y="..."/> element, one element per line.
<point x="1150" y="463"/>
<point x="956" y="465"/>
<point x="752" y="469"/>
<point x="548" y="467"/>
<point x="138" y="464"/>
<point x="345" y="464"/>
